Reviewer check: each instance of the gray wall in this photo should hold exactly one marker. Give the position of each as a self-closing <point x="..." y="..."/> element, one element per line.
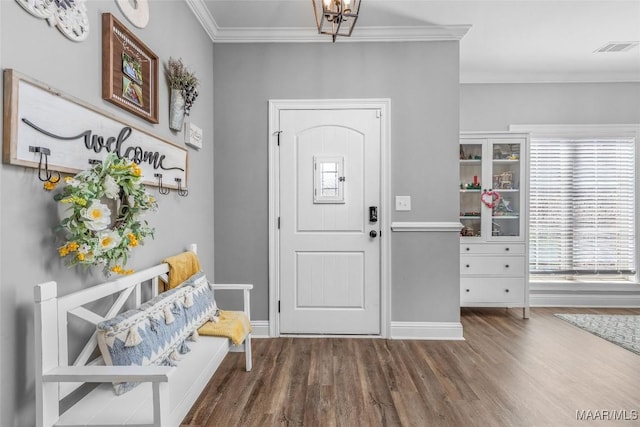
<point x="494" y="107"/>
<point x="421" y="79"/>
<point x="27" y="214"/>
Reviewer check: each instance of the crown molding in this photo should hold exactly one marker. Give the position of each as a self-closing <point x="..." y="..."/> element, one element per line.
<point x="518" y="76"/>
<point x="202" y="13"/>
<point x="360" y="34"/>
<point x="310" y="35"/>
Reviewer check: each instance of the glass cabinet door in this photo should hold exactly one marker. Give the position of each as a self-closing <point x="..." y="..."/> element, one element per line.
<point x="505" y="175"/>
<point x="492" y="189"/>
<point x="471" y="153"/>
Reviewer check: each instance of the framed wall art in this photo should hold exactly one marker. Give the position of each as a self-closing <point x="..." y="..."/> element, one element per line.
<point x="129" y="70"/>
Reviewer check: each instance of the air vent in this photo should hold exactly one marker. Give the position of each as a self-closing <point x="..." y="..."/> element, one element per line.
<point x="617" y="47"/>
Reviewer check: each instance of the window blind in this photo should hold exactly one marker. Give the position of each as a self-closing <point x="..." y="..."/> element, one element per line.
<point x="582" y="207"/>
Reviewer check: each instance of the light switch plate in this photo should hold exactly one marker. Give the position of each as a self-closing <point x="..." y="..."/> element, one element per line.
<point x="193" y="135"/>
<point x="403" y="203"/>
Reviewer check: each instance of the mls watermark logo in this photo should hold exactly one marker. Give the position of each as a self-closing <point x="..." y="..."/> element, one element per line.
<point x="607" y="415"/>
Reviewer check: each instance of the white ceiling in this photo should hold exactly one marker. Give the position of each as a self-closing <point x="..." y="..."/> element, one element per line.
<point x="502" y="40"/>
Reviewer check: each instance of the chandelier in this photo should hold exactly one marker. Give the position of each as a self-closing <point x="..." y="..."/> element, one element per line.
<point x="336" y="17"/>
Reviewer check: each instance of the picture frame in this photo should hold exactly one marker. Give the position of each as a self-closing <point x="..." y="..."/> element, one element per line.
<point x="129" y="70"/>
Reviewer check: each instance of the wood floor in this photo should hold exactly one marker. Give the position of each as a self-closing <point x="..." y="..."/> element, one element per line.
<point x="508" y="372"/>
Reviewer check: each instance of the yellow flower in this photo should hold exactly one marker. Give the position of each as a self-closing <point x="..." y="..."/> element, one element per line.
<point x="50" y="185"/>
<point x="135" y="170"/>
<point x="133" y="241"/>
<point x="68" y="248"/>
<point x="74" y="199"/>
<point x="80" y="257"/>
<point x="119" y="270"/>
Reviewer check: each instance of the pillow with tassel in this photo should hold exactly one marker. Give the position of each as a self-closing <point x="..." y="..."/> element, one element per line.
<point x="157" y="331"/>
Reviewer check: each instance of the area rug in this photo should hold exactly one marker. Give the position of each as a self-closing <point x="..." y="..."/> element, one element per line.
<point x="623" y="330"/>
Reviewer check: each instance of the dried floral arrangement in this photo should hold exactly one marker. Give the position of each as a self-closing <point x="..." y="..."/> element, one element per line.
<point x="182" y="78"/>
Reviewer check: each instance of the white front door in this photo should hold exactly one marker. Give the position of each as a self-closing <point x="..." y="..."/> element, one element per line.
<point x="329" y="234"/>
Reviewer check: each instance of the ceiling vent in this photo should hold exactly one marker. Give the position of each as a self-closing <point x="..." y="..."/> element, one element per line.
<point x="617" y="47"/>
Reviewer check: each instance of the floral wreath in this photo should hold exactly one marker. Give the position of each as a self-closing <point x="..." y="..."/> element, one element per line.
<point x="90" y="236"/>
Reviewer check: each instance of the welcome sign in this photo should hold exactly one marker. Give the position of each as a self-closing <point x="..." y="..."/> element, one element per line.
<point x="77" y="134"/>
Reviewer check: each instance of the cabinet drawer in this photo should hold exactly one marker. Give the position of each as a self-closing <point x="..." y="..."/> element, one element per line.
<point x="491" y="290"/>
<point x="492" y="248"/>
<point x="494" y="265"/>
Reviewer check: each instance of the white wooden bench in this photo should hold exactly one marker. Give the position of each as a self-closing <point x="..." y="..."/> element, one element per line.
<point x="165" y="395"/>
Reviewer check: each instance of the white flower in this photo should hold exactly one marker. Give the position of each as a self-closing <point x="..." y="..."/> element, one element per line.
<point x="108" y="239"/>
<point x="98" y="216"/>
<point x="72" y="181"/>
<point x="84" y="249"/>
<point x="111" y="187"/>
<point x="139" y="215"/>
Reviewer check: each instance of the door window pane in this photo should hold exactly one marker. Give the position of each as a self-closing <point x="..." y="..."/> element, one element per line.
<point x="329" y="179"/>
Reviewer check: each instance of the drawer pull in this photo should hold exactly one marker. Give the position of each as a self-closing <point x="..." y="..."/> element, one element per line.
<point x="506" y="290"/>
<point x="468" y="249"/>
<point x="468" y="266"/>
<point x="506" y="266"/>
<point x="506" y="249"/>
<point x="467" y="290"/>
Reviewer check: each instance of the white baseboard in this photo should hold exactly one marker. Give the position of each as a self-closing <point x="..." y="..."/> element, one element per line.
<point x="260" y="329"/>
<point x="584" y="300"/>
<point x="426" y="331"/>
<point x="399" y="330"/>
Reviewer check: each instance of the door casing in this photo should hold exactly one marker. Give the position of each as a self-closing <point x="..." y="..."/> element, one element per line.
<point x="384" y="106"/>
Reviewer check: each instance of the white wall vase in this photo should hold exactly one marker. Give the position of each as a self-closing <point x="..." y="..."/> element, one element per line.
<point x="176" y="110"/>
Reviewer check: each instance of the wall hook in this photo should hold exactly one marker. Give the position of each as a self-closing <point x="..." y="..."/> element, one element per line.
<point x="45" y="174"/>
<point x="162" y="190"/>
<point x="181" y="190"/>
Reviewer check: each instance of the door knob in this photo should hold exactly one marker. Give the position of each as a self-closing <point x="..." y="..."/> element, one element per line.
<point x="373" y="233"/>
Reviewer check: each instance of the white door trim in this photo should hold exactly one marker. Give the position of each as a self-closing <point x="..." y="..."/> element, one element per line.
<point x="384" y="105"/>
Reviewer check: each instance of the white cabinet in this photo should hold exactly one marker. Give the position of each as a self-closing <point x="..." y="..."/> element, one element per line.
<point x="493" y="213"/>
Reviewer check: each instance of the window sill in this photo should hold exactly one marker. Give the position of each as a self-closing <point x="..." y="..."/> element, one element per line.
<point x="571" y="286"/>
